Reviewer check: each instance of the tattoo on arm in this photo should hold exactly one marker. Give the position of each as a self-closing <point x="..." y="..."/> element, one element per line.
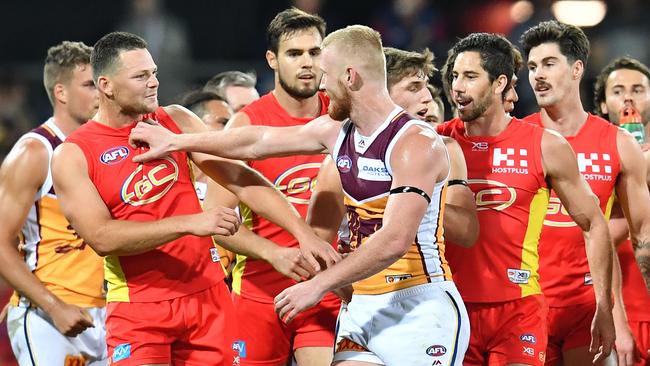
<point x="642" y="254"/>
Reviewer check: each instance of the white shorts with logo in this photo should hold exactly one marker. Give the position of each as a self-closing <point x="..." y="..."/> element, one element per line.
<point x="36" y="341"/>
<point x="423" y="325"/>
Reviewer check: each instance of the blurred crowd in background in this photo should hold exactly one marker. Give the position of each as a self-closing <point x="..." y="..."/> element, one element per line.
<point x="192" y="41"/>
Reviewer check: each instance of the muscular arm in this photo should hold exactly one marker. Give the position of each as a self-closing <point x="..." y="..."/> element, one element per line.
<point x="416" y="161"/>
<point x="250" y="143"/>
<point x="460" y="221"/>
<point x="287" y="261"/>
<point x="255" y="191"/>
<point x="562" y="172"/>
<point x="84" y="208"/>
<point x="326" y="209"/>
<point x="18" y="187"/>
<point x="634" y="199"/>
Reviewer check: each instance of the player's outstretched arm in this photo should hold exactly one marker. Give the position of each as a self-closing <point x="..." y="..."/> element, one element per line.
<point x="256" y="192"/>
<point x="460" y="221"/>
<point x="632" y="191"/>
<point x="22" y="174"/>
<point x="84" y="208"/>
<point x="288" y="261"/>
<point x="561" y="168"/>
<point x="418" y="160"/>
<point x="250" y="143"/>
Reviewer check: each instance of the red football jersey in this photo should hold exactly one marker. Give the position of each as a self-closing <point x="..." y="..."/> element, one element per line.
<point x="506" y="176"/>
<point x="563" y="266"/>
<point x="147" y="192"/>
<point x="295" y="177"/>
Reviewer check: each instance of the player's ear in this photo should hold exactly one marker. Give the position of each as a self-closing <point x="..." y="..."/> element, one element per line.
<point x="353" y="79"/>
<point x="272" y="60"/>
<point x="603" y="107"/>
<point x="500" y="84"/>
<point x="59" y="93"/>
<point x="104" y="85"/>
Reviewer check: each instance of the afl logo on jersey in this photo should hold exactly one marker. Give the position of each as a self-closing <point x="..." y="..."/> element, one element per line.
<point x="344" y="163"/>
<point x="298" y="182"/>
<point x="492" y="195"/>
<point x="149" y="183"/>
<point x="114" y="155"/>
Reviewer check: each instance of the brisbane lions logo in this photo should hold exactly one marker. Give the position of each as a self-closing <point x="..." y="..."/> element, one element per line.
<point x="148" y="183"/>
<point x="298" y="182"/>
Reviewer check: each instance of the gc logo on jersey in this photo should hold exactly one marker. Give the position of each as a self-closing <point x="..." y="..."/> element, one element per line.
<point x="492" y="195"/>
<point x="143" y="187"/>
<point x="298" y="182"/>
<point x="557" y="215"/>
<point x="114" y="155"/>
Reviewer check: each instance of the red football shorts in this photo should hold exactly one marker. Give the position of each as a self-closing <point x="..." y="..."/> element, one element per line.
<point x="641" y="332"/>
<point x="507" y="332"/>
<point x="569" y="327"/>
<point x="197" y="329"/>
<point x="264" y="339"/>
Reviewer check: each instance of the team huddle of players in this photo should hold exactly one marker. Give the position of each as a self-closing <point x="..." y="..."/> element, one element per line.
<point x="352" y="225"/>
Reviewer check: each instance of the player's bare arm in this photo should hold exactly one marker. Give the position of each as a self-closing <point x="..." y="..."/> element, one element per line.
<point x="634" y="199"/>
<point x="460" y="221"/>
<point x="326" y="208"/>
<point x="288" y="261"/>
<point x="561" y="168"/>
<point x="88" y="214"/>
<point x="250" y="143"/>
<point x="418" y="160"/>
<point x="255" y="191"/>
<point x="18" y="188"/>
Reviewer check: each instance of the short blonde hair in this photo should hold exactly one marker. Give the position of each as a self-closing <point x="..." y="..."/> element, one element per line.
<point x="361" y="42"/>
<point x="60" y="63"/>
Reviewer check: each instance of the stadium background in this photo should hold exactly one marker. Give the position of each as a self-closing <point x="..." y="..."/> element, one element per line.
<point x="193" y="40"/>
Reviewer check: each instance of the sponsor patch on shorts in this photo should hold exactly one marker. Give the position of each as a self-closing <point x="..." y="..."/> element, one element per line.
<point x="122" y="352"/>
<point x="240" y="347"/>
<point x="397" y="278"/>
<point x="588" y="280"/>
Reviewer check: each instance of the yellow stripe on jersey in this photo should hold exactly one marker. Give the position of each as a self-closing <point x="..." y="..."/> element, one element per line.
<point x="530" y="255"/>
<point x="610" y="203"/>
<point x="114" y="275"/>
<point x="440" y="237"/>
<point x="240" y="260"/>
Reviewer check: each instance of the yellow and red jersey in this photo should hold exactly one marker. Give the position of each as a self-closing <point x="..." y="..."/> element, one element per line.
<point x="294" y="176"/>
<point x="564" y="268"/>
<point x="506" y="175"/>
<point x="147" y="192"/>
<point x="366" y="177"/>
<point x="53" y="251"/>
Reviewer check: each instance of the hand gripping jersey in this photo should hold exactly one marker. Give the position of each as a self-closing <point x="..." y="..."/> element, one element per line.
<point x="147" y="192"/>
<point x="505" y="174"/>
<point x="563" y="259"/>
<point x="295" y="177"/>
<point x="364" y="167"/>
<point x="53" y="251"/>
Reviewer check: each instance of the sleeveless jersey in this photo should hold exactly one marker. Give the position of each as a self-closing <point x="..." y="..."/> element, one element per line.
<point x="295" y="177"/>
<point x="505" y="174"/>
<point x="635" y="293"/>
<point x="563" y="265"/>
<point x="148" y="192"/>
<point x="53" y="251"/>
<point x="366" y="177"/>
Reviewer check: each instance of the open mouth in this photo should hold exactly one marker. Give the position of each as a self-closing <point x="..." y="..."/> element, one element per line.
<point x="542" y="87"/>
<point x="461" y="103"/>
<point x="306" y="77"/>
<point x="422" y="112"/>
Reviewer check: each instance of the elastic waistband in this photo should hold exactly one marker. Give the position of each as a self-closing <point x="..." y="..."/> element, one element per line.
<point x="395" y="296"/>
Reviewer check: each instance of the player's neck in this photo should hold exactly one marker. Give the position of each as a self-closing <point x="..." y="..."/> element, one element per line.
<point x="64" y="121"/>
<point x="371" y="111"/>
<point x="565" y="117"/>
<point x="299" y="108"/>
<point x="112" y="115"/>
<point x="494" y="121"/>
